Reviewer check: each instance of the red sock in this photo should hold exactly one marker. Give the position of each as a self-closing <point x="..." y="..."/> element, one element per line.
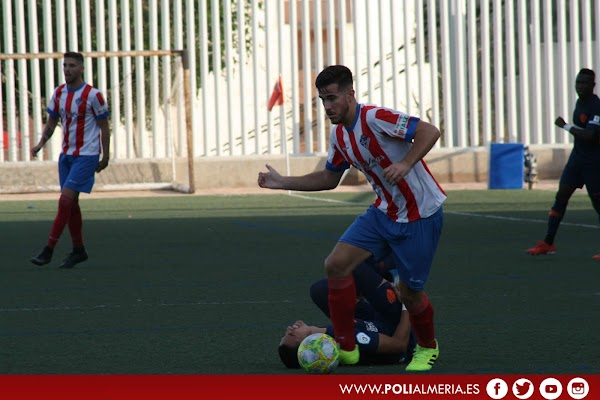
<point x="65" y="206"/>
<point x="75" y="225"/>
<point x="342" y="300"/>
<point x="421" y="319"/>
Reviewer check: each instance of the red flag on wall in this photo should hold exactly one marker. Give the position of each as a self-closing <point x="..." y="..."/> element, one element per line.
<point x="277" y="95"/>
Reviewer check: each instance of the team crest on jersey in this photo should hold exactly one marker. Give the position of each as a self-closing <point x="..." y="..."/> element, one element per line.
<point x="78" y="101"/>
<point x="363" y="338"/>
<point x="364" y="141"/>
<point x="583" y="118"/>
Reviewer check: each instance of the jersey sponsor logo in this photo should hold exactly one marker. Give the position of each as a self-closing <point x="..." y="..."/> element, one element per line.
<point x="370" y="163"/>
<point x="68" y="114"/>
<point x="371" y="326"/>
<point x="363" y="338"/>
<point x="365" y="141"/>
<point x="402" y="124"/>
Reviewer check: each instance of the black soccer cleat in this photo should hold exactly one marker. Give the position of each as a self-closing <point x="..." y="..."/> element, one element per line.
<point x="75" y="257"/>
<point x="44" y="257"/>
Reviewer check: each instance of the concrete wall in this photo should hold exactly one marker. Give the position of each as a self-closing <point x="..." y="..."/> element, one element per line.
<point x="463" y="165"/>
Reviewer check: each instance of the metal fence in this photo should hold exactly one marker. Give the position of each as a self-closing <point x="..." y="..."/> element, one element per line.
<point x="483" y="71"/>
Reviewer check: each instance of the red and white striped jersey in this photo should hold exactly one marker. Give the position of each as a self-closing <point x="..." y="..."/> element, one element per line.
<point x="381" y="137"/>
<point x="78" y="111"/>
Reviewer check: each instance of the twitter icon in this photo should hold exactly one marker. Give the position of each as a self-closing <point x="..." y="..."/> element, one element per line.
<point x="523" y="388"/>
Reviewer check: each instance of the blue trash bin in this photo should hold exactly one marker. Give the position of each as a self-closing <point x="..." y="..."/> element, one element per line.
<point x="506" y="166"/>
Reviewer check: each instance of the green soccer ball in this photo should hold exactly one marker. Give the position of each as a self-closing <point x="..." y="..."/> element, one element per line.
<point x="318" y="354"/>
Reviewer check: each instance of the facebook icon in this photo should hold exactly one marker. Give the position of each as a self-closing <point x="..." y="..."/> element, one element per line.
<point x="497" y="388"/>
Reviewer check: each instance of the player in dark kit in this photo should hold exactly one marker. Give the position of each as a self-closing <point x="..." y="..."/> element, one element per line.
<point x="583" y="167"/>
<point x="382" y="327"/>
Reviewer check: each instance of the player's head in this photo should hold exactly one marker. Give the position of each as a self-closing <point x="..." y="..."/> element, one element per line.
<point x="336" y="91"/>
<point x="289" y="356"/>
<point x="73" y="67"/>
<point x="584" y="83"/>
<point x="288" y="346"/>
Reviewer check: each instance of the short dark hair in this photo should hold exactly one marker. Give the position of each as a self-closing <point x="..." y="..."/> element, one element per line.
<point x="339" y="74"/>
<point x="289" y="356"/>
<point x="589" y="72"/>
<point x="75" y="55"/>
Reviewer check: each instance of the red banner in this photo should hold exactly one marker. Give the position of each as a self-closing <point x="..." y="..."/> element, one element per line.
<point x="298" y="387"/>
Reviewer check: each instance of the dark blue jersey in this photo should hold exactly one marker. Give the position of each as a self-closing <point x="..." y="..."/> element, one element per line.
<point x="367" y="333"/>
<point x="377" y="311"/>
<point x="587" y="116"/>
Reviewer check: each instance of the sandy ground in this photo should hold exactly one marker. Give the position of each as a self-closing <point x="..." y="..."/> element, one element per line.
<point x="104" y="194"/>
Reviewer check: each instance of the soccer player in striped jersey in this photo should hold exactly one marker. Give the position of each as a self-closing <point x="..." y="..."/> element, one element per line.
<point x="405" y="220"/>
<point x="83" y="114"/>
<point x="583" y="167"/>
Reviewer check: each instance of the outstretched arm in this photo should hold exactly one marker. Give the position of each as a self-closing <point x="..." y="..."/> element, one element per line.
<point x="319" y="180"/>
<point x="580" y="133"/>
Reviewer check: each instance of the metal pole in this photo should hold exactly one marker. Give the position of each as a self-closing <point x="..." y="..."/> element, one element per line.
<point x="188" y="120"/>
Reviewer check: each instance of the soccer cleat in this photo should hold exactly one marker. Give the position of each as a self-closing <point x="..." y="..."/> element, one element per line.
<point x="74" y="258"/>
<point x="44" y="257"/>
<point x="349" y="357"/>
<point x="541" y="248"/>
<point x="596" y="257"/>
<point x="423" y="358"/>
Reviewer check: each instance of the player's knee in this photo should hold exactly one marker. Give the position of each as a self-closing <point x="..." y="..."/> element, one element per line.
<point x="410" y="298"/>
<point x="319" y="292"/>
<point x="563" y="196"/>
<point x="336" y="268"/>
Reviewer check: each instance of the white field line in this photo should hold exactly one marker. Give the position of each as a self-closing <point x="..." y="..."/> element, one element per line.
<point x="140" y="305"/>
<point x="325" y="200"/>
<point x="542" y="221"/>
<point x="466" y="214"/>
<point x="208" y="303"/>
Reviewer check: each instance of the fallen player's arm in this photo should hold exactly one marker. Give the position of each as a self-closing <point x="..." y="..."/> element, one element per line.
<point x="398" y="343"/>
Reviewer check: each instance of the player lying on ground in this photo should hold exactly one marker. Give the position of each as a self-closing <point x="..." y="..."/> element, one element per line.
<point x="381" y="328"/>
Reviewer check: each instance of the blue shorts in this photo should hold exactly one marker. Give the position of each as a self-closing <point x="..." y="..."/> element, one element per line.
<point x="411" y="244"/>
<point x="77" y="172"/>
<point x="578" y="172"/>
